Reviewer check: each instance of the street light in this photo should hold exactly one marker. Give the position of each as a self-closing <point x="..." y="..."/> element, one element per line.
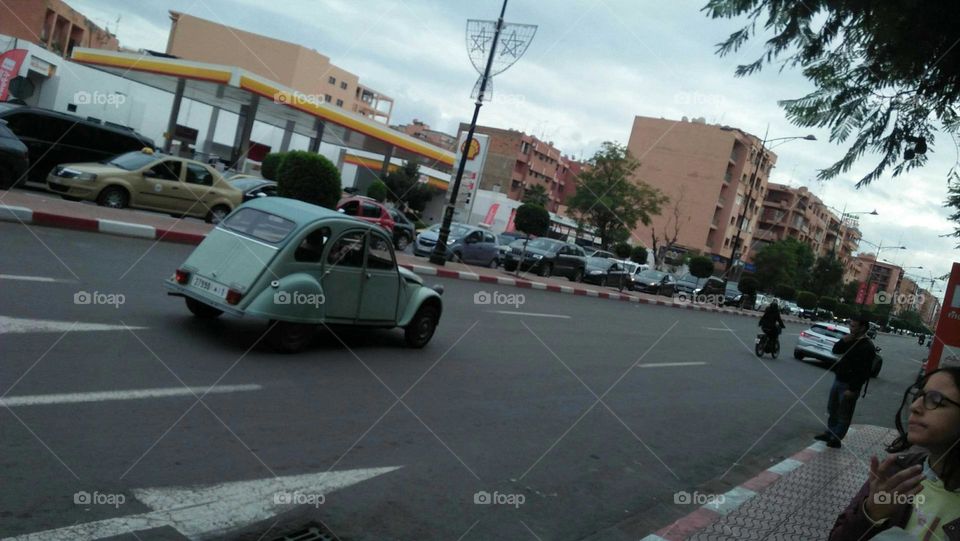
<point x="734" y="253"/>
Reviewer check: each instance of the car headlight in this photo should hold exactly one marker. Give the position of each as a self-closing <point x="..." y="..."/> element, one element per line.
<point x="537" y="256"/>
<point x="451" y="241"/>
<point x="67" y="172"/>
<point x="595" y="272"/>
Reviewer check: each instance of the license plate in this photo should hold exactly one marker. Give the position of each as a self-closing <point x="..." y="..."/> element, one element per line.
<point x="218" y="290"/>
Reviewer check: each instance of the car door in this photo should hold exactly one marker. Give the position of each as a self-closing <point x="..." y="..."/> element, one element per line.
<point x="381" y="287"/>
<point x="472" y="250"/>
<point x="343" y="278"/>
<point x="370" y="212"/>
<point x="562" y="264"/>
<point x="198" y="188"/>
<point x="161" y="187"/>
<point x="490" y="248"/>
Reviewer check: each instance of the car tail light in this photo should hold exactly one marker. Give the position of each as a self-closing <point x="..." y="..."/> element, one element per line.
<point x="233" y="296"/>
<point x="805" y="334"/>
<point x="182" y="276"/>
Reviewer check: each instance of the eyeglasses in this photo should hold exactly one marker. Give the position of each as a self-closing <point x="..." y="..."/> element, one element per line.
<point x="931" y="399"/>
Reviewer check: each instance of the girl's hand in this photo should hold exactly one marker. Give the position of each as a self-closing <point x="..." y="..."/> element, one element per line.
<point x="888" y="492"/>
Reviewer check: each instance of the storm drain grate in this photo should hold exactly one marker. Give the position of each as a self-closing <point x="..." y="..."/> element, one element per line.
<point x="312" y="532"/>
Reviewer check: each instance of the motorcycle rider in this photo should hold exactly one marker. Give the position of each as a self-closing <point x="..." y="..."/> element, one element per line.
<point x="771" y="323"/>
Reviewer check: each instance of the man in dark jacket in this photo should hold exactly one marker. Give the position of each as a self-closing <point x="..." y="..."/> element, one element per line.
<point x="852" y="371"/>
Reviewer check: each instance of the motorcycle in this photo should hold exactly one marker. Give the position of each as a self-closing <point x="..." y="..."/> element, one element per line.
<point x="766" y="344"/>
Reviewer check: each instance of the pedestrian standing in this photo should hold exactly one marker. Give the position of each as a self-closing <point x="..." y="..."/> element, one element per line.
<point x="851" y="373"/>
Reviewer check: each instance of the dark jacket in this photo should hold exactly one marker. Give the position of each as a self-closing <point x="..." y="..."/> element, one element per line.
<point x="853" y="525"/>
<point x="771" y="320"/>
<point x="856" y="362"/>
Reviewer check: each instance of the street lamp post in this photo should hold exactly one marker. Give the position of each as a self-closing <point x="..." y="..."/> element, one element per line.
<point x="735" y="247"/>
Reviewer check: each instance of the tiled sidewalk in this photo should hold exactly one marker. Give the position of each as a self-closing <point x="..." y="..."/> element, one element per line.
<point x="796" y="500"/>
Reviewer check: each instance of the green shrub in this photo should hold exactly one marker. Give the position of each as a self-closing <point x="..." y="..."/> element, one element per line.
<point x="270" y="165"/>
<point x="806" y="300"/>
<point x="828" y="303"/>
<point x="748" y="285"/>
<point x="532" y="219"/>
<point x="701" y="266"/>
<point x="622" y="250"/>
<point x="785" y="292"/>
<point x="639" y="255"/>
<point x="378" y="191"/>
<point x="309" y="177"/>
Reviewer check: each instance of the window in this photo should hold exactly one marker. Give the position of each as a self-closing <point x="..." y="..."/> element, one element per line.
<point x="347" y="251"/>
<point x="339" y="103"/>
<point x="259" y="225"/>
<point x="371" y="210"/>
<point x="167" y="170"/>
<point x="351" y="208"/>
<point x="327" y="98"/>
<point x="198" y="174"/>
<point x="311" y="248"/>
<point x="343" y="85"/>
<point x="332" y="80"/>
<point x="476" y="236"/>
<point x="379" y="255"/>
<point x="488" y="237"/>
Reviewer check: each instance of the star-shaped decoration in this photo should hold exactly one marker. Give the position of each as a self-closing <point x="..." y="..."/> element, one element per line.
<point x="510" y="45"/>
<point x="480" y="41"/>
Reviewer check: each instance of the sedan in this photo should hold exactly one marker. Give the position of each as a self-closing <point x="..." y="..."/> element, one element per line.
<point x="817" y="343"/>
<point x="655" y="282"/>
<point x="253" y="187"/>
<point x="547" y="257"/>
<point x="605" y="272"/>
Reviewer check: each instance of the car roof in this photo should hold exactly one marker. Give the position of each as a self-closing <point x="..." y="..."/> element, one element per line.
<point x="297" y="211"/>
<point x="120" y="130"/>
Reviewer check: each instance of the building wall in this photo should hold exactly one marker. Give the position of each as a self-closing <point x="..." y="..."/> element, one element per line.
<point x="709" y="167"/>
<point x="54" y="25"/>
<point x="421" y="130"/>
<point x="289" y="64"/>
<point x="886" y="275"/>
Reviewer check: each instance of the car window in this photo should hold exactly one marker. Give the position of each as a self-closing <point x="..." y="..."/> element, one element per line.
<point x="379" y="255"/>
<point x="832" y="332"/>
<point x="476" y="236"/>
<point x="131" y="161"/>
<point x="371" y="210"/>
<point x="351" y="208"/>
<point x="347" y="251"/>
<point x="488" y="237"/>
<point x="311" y="247"/>
<point x="259" y="225"/>
<point x="167" y="170"/>
<point x="198" y="174"/>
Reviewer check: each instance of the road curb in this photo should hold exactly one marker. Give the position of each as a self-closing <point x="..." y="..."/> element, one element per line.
<point x="710" y="513"/>
<point x="25" y="215"/>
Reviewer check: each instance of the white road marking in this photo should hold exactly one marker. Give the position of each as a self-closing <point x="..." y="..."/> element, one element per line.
<point x="132" y="394"/>
<point x="532" y="314"/>
<point x="664" y="365"/>
<point x="20" y="325"/>
<point x="201" y="512"/>
<point x="724" y="329"/>
<point x="32" y="278"/>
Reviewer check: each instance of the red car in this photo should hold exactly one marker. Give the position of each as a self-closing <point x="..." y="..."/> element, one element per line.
<point x="368" y="210"/>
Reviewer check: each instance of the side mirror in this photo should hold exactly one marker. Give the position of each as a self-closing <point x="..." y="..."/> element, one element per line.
<point x="260" y="194"/>
<point x="150" y="173"/>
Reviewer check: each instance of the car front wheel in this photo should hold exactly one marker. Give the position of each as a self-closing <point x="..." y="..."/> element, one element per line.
<point x="421" y="328"/>
<point x="545" y="270"/>
<point x="114" y="197"/>
<point x="201" y="310"/>
<point x="577" y="276"/>
<point x="402" y="242"/>
<point x="288" y="337"/>
<point x="217" y="214"/>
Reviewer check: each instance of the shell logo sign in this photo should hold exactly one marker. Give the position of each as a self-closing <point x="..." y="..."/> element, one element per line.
<point x="474" y="149"/>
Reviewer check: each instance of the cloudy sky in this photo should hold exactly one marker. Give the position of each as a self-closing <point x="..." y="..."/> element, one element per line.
<point x="592" y="66"/>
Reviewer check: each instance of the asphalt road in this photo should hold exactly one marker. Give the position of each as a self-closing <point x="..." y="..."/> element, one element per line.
<point x="589" y="409"/>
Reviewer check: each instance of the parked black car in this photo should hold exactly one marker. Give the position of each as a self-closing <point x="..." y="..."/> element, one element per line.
<point x="655" y="282"/>
<point x="548" y="257"/>
<point x="605" y="272"/>
<point x="403" y="230"/>
<point x="13" y="157"/>
<point x="253" y="187"/>
<point x="687" y="283"/>
<point x="53" y="138"/>
<point x="712" y="289"/>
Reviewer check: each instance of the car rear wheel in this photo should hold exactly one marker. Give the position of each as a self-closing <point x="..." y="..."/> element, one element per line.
<point x="797" y="355"/>
<point x="421" y="328"/>
<point x="402" y="242"/>
<point x="288" y="337"/>
<point x="545" y="270"/>
<point x="217" y="214"/>
<point x="201" y="310"/>
<point x="577" y="276"/>
<point x="494" y="263"/>
<point x="114" y="197"/>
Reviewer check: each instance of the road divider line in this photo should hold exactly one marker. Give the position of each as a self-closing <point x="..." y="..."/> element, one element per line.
<point x="25" y="278"/>
<point x="133" y="394"/>
<point x="531" y="314"/>
<point x="20" y="325"/>
<point x="666" y="365"/>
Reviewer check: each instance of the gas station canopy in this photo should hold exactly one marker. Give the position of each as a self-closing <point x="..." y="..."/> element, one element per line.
<point x="234" y="89"/>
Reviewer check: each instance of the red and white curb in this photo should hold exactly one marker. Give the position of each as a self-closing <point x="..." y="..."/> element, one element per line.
<point x="125" y="229"/>
<point x="709" y="513"/>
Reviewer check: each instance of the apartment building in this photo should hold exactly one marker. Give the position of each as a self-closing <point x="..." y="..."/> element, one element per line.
<point x="421" y="130"/>
<point x="865" y="268"/>
<point x="54" y="25"/>
<point x="708" y="171"/>
<point x="929" y="308"/>
<point x="790" y="212"/>
<point x="516" y="162"/>
<point x="289" y="64"/>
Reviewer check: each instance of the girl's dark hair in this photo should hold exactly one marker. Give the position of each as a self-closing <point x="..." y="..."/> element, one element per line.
<point x="951" y="461"/>
<point x="772" y="309"/>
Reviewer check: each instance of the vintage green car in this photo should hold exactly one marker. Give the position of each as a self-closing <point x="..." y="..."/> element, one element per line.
<point x="300" y="266"/>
